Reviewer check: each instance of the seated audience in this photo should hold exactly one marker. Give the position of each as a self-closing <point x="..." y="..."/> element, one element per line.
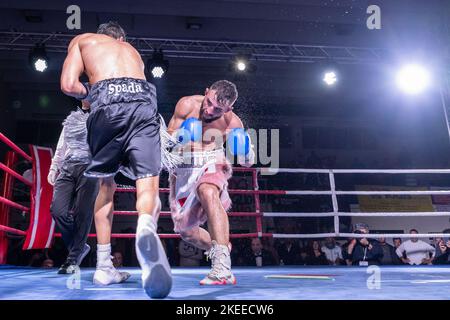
<point x="417" y="252"/>
<point x="289" y="252"/>
<point x="442" y="250"/>
<point x="47" y="263"/>
<point x="389" y="255"/>
<point x="117" y="259"/>
<point x="315" y="255"/>
<point x="259" y="256"/>
<point x="332" y="252"/>
<point x="345" y="256"/>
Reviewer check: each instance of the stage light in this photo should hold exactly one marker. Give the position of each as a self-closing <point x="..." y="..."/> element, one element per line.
<point x="413" y="79"/>
<point x="38" y="58"/>
<point x="157" y="72"/>
<point x="157" y="65"/>
<point x="330" y="78"/>
<point x="241" y="65"/>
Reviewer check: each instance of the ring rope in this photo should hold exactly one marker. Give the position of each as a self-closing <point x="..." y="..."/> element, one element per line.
<point x="12" y="230"/>
<point x="13" y="146"/>
<point x="356" y="214"/>
<point x="13" y="204"/>
<point x="15" y="174"/>
<point x="174" y="235"/>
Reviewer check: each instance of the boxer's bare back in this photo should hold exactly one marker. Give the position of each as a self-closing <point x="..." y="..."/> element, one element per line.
<point x="100" y="57"/>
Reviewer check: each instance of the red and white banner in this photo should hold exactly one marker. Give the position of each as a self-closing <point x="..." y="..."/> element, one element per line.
<point x="42" y="226"/>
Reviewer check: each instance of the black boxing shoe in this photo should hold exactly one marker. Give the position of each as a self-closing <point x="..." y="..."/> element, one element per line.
<point x="68" y="267"/>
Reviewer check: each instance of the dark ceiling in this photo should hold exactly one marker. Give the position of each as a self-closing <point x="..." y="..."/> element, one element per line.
<point x="408" y="27"/>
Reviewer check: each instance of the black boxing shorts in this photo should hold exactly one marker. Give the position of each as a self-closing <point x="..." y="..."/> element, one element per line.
<point x="123" y="129"/>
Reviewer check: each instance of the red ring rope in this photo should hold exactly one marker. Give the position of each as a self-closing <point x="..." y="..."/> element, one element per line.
<point x="12" y="230"/>
<point x="168" y="214"/>
<point x="15" y="174"/>
<point x="13" y="146"/>
<point x="13" y="204"/>
<point x="174" y="235"/>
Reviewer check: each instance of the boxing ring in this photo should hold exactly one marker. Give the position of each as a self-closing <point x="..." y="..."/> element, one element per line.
<point x="264" y="283"/>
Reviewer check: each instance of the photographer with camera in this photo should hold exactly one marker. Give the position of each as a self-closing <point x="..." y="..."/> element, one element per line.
<point x="442" y="255"/>
<point x="364" y="251"/>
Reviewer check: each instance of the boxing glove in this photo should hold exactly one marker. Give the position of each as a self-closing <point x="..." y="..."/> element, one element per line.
<point x="238" y="142"/>
<point x="190" y="130"/>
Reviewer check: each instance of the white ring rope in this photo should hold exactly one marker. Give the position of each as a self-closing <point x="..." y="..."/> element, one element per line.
<point x="336" y="214"/>
<point x="357" y="214"/>
<point x="359" y="235"/>
<point x="390" y="171"/>
<point x="399" y="192"/>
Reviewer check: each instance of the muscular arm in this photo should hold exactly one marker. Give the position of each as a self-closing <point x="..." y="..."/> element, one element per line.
<point x="182" y="110"/>
<point x="72" y="69"/>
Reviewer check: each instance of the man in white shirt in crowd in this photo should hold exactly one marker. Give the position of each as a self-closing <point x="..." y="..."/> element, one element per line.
<point x="332" y="251"/>
<point x="417" y="251"/>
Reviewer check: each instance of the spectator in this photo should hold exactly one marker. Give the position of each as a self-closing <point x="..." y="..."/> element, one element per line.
<point x="363" y="251"/>
<point x="332" y="252"/>
<point x="397" y="242"/>
<point x="417" y="251"/>
<point x="190" y="256"/>
<point x="289" y="252"/>
<point x="389" y="255"/>
<point x="117" y="259"/>
<point x="269" y="246"/>
<point x="442" y="253"/>
<point x="259" y="257"/>
<point x="47" y="263"/>
<point x="303" y="257"/>
<point x="442" y="250"/>
<point x="347" y="258"/>
<point x="315" y="255"/>
<point x="36" y="259"/>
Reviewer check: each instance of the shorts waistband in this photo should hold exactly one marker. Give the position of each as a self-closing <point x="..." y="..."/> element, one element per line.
<point x="200" y="158"/>
<point x="119" y="90"/>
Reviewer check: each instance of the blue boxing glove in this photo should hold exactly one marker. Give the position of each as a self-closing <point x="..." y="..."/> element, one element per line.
<point x="190" y="130"/>
<point x="238" y="142"/>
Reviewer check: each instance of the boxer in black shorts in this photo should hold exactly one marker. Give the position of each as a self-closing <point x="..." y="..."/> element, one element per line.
<point x="123" y="129"/>
<point x="123" y="135"/>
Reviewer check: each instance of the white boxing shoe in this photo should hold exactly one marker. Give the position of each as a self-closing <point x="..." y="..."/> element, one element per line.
<point x="106" y="274"/>
<point x="156" y="274"/>
<point x="220" y="273"/>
